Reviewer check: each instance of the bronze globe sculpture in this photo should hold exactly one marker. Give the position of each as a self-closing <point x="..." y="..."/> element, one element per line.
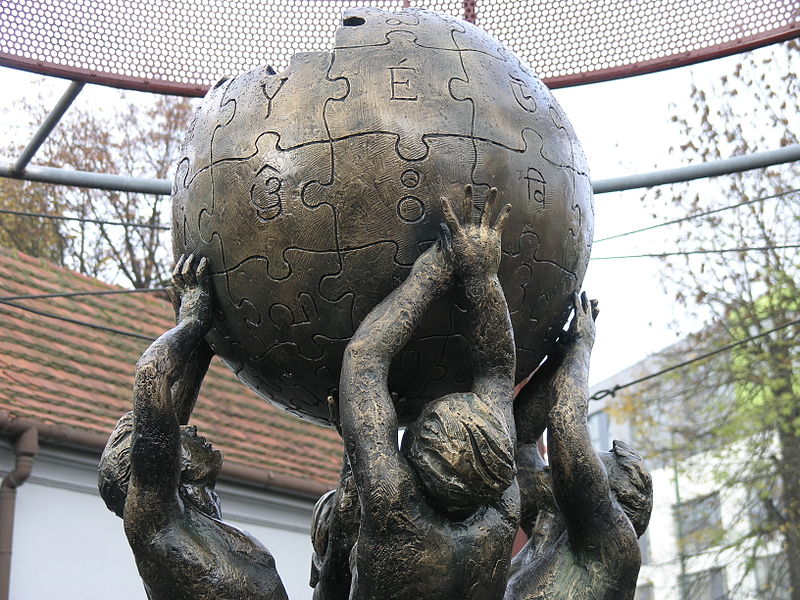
<point x="312" y="191"/>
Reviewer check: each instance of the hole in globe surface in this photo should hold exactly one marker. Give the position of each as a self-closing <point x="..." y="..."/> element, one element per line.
<point x="353" y="21"/>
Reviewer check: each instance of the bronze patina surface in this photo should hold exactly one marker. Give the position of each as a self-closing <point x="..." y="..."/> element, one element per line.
<point x="583" y="514"/>
<point x="159" y="475"/>
<point x="313" y="191"/>
<point x="439" y="515"/>
<point x="330" y="269"/>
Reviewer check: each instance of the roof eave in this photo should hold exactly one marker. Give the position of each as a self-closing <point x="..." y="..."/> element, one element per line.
<point x="263" y="479"/>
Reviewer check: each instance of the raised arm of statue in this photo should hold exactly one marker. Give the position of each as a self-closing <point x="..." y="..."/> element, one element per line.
<point x="533" y="401"/>
<point x="476" y="257"/>
<point x="368" y="417"/>
<point x="580" y="483"/>
<point x="187" y="386"/>
<point x="530" y="416"/>
<point x="161" y="392"/>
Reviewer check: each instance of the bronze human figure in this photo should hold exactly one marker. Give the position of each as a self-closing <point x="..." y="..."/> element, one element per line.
<point x="584" y="514"/>
<point x="334" y="531"/>
<point x="439" y="517"/>
<point x="160" y="476"/>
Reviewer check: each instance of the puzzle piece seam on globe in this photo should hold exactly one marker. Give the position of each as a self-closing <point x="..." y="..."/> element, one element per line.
<point x="206" y="111"/>
<point x="311" y="171"/>
<point x="401" y="79"/>
<point x="405" y="20"/>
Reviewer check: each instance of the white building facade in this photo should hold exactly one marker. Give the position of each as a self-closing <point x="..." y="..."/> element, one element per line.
<point x="683" y="550"/>
<point x="67" y="545"/>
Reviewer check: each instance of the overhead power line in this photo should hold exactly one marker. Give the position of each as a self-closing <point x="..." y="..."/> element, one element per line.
<point x="159" y="226"/>
<point x="22" y="213"/>
<point x="87" y="293"/>
<point x="695" y="216"/>
<point x="691" y="252"/>
<point x="77" y="322"/>
<point x="599" y="395"/>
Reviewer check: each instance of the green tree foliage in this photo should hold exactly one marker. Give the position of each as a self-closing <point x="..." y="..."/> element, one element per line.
<point x="741" y="408"/>
<point x="139" y="139"/>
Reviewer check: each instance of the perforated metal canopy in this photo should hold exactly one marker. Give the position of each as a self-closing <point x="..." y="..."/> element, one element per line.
<point x="183" y="46"/>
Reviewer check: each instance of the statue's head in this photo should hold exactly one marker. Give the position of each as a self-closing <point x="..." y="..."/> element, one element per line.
<point x="200" y="465"/>
<point x="462" y="453"/>
<point x="630" y="483"/>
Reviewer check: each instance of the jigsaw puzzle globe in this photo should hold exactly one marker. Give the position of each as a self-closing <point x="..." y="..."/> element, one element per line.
<point x="312" y="191"/>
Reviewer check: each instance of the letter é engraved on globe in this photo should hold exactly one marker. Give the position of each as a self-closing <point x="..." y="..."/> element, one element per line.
<point x="400" y="81"/>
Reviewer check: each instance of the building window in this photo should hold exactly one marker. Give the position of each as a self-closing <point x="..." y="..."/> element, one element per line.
<point x="644" y="592"/>
<point x="772" y="577"/>
<point x="706" y="585"/>
<point x="598" y="427"/>
<point x="698" y="523"/>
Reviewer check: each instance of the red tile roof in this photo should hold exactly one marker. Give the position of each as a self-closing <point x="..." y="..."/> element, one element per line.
<point x="58" y="373"/>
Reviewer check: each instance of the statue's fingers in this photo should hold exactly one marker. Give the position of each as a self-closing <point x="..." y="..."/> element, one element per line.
<point x="584" y="302"/>
<point x="333" y="413"/>
<point x="450" y="217"/>
<point x="201" y="273"/>
<point x="467" y="208"/>
<point x="176" y="270"/>
<point x="595" y="309"/>
<point x="488" y="207"/>
<point x="187" y="272"/>
<point x="502" y="218"/>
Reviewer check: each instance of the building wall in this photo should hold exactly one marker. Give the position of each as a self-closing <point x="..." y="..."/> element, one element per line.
<point x="67" y="545"/>
<point x="688" y="482"/>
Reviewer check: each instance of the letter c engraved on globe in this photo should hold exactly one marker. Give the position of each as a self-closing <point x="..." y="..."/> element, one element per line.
<point x="400" y="82"/>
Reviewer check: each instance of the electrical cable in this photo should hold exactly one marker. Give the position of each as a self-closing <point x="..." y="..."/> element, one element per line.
<point x="611" y="237"/>
<point x="691" y="252"/>
<point x="87" y="293"/>
<point x="22" y="213"/>
<point x="599" y="395"/>
<point x="77" y="322"/>
<point x="697" y="216"/>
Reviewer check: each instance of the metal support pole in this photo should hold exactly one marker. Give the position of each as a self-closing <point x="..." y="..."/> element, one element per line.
<point x="52" y="119"/>
<point x="737" y="164"/>
<point x="99" y="181"/>
<point x="26" y="447"/>
<point x="682" y="580"/>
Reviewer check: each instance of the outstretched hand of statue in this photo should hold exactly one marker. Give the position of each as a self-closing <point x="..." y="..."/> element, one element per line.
<point x="190" y="290"/>
<point x="582" y="328"/>
<point x="474" y="246"/>
<point x="534" y="400"/>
